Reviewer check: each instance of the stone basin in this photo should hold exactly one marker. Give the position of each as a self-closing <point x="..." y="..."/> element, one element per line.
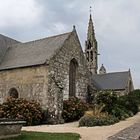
<point x="10" y="128"/>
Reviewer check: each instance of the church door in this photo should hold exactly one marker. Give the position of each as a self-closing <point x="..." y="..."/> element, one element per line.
<point x="72" y="77"/>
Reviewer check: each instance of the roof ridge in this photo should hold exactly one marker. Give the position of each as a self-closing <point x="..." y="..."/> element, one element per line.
<point x="10" y="38"/>
<point x="47" y="37"/>
<point x="115" y="80"/>
<point x="34" y="52"/>
<point x="113" y="72"/>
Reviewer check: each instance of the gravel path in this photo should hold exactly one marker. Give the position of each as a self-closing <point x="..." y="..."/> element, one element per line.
<point x="87" y="133"/>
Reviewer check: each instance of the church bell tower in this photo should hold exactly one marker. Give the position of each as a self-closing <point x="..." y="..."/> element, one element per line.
<point x="91" y="50"/>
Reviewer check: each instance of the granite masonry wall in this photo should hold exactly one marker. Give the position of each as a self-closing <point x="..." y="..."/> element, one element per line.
<point x="59" y="75"/>
<point x="31" y="83"/>
<point x="49" y="84"/>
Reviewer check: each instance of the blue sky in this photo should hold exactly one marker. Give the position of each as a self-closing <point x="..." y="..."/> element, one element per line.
<point x="117" y="26"/>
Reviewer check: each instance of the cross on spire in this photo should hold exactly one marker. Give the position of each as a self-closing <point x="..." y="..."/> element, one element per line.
<point x="90" y="9"/>
<point x="91" y="48"/>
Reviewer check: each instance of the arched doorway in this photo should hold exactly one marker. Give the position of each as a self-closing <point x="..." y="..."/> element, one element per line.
<point x="13" y="93"/>
<point x="72" y="77"/>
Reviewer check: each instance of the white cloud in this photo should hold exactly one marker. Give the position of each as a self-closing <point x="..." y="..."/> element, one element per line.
<point x="119" y="18"/>
<point x="59" y="27"/>
<point x="19" y="13"/>
<point x="116" y="26"/>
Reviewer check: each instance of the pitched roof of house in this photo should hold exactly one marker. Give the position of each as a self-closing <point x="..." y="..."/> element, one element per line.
<point x="115" y="81"/>
<point x="5" y="43"/>
<point x="32" y="53"/>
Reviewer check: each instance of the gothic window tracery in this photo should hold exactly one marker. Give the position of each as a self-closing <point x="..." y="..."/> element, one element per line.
<point x="72" y="77"/>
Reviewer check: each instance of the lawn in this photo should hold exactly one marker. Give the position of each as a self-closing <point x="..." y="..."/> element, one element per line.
<point x="46" y="136"/>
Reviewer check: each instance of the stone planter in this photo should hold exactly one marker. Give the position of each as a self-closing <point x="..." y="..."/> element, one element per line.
<point x="10" y="128"/>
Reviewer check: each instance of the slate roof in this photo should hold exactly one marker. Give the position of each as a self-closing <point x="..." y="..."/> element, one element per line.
<point x="32" y="53"/>
<point x="5" y="43"/>
<point x="114" y="81"/>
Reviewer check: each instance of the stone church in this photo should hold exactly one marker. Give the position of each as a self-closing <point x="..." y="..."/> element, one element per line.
<point x="53" y="69"/>
<point x="120" y="82"/>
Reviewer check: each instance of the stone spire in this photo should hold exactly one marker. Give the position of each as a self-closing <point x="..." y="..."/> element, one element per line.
<point x="102" y="70"/>
<point x="91" y="51"/>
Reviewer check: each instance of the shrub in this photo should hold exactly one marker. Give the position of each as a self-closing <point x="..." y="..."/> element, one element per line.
<point x="130" y="103"/>
<point x="73" y="109"/>
<point x="110" y="108"/>
<point x="96" y="110"/>
<point x="135" y="95"/>
<point x="108" y="99"/>
<point x="121" y="112"/>
<point x="96" y="117"/>
<point x="21" y="109"/>
<point x="91" y="121"/>
<point x="121" y="107"/>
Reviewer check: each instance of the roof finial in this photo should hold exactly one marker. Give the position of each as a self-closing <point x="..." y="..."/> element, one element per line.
<point x="90" y="9"/>
<point x="74" y="27"/>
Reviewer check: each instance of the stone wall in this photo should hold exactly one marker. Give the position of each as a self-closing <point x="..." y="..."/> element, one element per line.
<point x="31" y="83"/>
<point x="49" y="84"/>
<point x="59" y="75"/>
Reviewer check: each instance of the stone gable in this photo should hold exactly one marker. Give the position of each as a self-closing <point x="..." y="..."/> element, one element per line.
<point x="59" y="65"/>
<point x="48" y="83"/>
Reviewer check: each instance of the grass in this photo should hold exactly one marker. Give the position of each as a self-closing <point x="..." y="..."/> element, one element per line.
<point x="46" y="136"/>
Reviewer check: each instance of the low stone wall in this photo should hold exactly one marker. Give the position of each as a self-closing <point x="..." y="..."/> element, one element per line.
<point x="10" y="128"/>
<point x="130" y="133"/>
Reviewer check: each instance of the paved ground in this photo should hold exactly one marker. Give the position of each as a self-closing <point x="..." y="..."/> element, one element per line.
<point x="129" y="133"/>
<point x="91" y="133"/>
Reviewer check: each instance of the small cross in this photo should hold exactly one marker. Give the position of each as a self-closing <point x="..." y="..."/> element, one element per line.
<point x="90" y="9"/>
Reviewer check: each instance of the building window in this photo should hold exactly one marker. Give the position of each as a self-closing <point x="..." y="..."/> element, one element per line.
<point x="72" y="77"/>
<point x="91" y="56"/>
<point x="89" y="95"/>
<point x="13" y="93"/>
<point x="88" y="56"/>
<point x="130" y="86"/>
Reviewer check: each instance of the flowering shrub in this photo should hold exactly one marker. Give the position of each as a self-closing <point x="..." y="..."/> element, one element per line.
<point x="21" y="109"/>
<point x="73" y="109"/>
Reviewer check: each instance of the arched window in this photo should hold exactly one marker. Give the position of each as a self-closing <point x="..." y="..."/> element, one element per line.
<point x="91" y="55"/>
<point x="130" y="86"/>
<point x="72" y="77"/>
<point x="87" y="56"/>
<point x="89" y="45"/>
<point x="89" y="99"/>
<point x="13" y="93"/>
